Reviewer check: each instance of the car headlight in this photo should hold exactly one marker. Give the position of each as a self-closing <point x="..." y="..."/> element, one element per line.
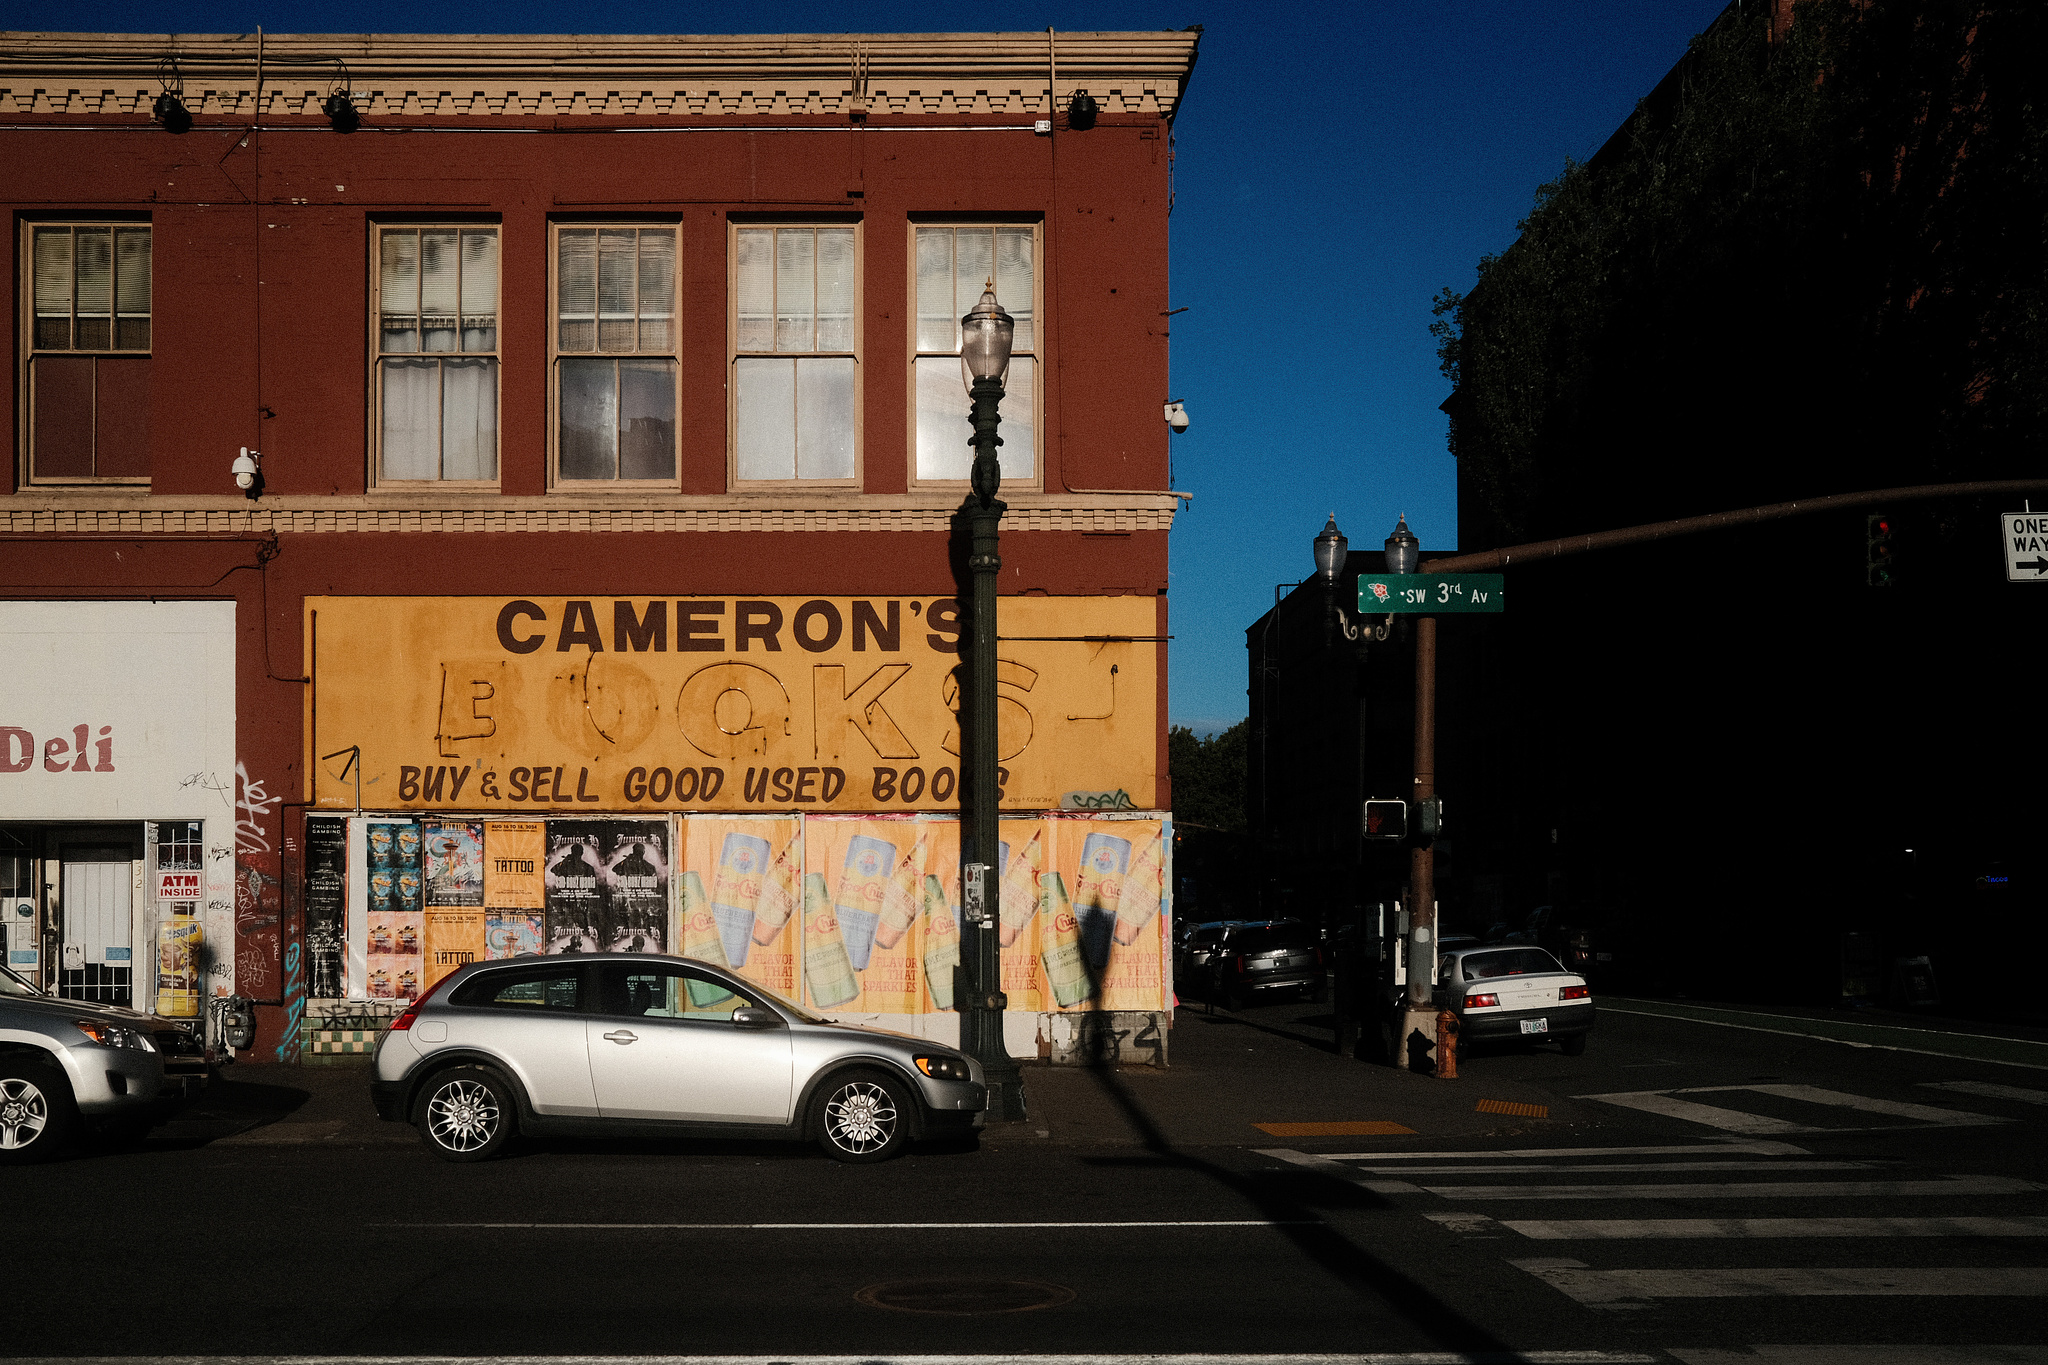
<point x="943" y="1067"/>
<point x="112" y="1035"/>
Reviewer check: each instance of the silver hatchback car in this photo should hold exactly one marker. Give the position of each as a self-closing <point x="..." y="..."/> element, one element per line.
<point x="617" y="1044"/>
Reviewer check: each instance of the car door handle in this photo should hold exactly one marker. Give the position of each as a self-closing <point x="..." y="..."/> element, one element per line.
<point x="620" y="1035"/>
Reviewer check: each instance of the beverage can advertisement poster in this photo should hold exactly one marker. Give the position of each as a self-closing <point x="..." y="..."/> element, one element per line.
<point x="1102" y="931"/>
<point x="873" y="869"/>
<point x="575" y="897"/>
<point x="1025" y="855"/>
<point x="395" y="875"/>
<point x="633" y="876"/>
<point x="742" y="910"/>
<point x="455" y="863"/>
<point x="453" y="938"/>
<point x="514" y="851"/>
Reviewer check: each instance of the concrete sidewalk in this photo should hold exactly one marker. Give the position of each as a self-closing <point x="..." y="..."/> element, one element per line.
<point x="1231" y="1073"/>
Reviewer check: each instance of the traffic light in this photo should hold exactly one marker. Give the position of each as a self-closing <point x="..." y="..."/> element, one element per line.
<point x="1877" y="540"/>
<point x="1386" y="819"/>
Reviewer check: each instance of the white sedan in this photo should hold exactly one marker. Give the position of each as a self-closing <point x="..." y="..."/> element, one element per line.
<point x="1516" y="993"/>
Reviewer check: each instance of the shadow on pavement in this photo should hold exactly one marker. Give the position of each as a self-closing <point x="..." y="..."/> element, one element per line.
<point x="1291" y="1200"/>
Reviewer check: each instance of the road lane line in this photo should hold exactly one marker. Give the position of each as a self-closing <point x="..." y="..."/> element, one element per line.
<point x="864" y="1227"/>
<point x="1990" y="1091"/>
<point x="1786" y="1189"/>
<point x="1628" y="1288"/>
<point x="1719" y="1145"/>
<point x="803" y="1358"/>
<point x="1616" y="1167"/>
<point x="1591" y="1229"/>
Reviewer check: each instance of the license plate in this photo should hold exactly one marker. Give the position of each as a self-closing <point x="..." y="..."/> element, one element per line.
<point x="1535" y="1026"/>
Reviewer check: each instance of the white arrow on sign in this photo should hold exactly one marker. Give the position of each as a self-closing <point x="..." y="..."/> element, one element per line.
<point x="2026" y="546"/>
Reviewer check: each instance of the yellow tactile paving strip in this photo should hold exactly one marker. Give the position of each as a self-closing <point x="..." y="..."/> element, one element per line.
<point x="1527" y="1111"/>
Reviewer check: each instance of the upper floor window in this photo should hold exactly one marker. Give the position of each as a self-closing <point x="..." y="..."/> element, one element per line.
<point x="88" y="353"/>
<point x="615" y="354"/>
<point x="796" y="330"/>
<point x="954" y="264"/>
<point x="437" y="353"/>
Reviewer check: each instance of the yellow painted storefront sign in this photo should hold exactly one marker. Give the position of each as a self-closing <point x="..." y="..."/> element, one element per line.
<point x="720" y="704"/>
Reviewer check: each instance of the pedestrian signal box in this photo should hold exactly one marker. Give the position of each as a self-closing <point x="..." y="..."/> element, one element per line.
<point x="1386" y="819"/>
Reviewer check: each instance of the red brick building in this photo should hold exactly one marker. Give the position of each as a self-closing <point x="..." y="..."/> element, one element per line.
<point x="607" y="426"/>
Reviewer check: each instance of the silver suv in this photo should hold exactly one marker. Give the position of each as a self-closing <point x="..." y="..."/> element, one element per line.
<point x="66" y="1062"/>
<point x="615" y="1044"/>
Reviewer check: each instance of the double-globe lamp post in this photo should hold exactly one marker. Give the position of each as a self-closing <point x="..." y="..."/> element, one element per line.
<point x="985" y="336"/>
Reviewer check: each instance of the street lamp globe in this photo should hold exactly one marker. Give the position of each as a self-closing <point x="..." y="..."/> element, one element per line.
<point x="1330" y="548"/>
<point x="985" y="336"/>
<point x="1404" y="551"/>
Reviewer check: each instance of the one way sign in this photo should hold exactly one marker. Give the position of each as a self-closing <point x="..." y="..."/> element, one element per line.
<point x="2026" y="546"/>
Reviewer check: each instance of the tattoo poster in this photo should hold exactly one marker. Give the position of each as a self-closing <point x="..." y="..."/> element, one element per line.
<point x="575" y="900"/>
<point x="863" y="912"/>
<point x="1102" y="939"/>
<point x="633" y="885"/>
<point x="742" y="894"/>
<point x="395" y="875"/>
<point x="508" y="933"/>
<point x="326" y="905"/>
<point x="514" y="851"/>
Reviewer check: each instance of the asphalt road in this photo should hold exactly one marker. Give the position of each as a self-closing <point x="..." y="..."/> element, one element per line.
<point x="1800" y="1195"/>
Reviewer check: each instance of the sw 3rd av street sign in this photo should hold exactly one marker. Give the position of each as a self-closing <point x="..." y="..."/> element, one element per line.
<point x="1429" y="594"/>
<point x="2026" y="546"/>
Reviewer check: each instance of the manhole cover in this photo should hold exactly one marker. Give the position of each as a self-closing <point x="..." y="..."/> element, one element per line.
<point x="964" y="1298"/>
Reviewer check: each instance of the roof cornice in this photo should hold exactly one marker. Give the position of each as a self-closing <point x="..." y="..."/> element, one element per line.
<point x="481" y="75"/>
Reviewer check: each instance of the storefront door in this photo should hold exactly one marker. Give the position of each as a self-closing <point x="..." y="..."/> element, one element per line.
<point x="98" y="956"/>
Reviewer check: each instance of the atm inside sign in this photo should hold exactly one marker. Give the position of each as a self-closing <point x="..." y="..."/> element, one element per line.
<point x="1429" y="594"/>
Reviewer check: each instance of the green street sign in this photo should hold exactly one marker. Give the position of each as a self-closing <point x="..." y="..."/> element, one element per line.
<point x="1429" y="594"/>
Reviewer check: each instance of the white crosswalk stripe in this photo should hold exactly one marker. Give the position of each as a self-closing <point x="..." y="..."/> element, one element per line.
<point x="1740" y="1161"/>
<point x="1990" y="1091"/>
<point x="1668" y="1103"/>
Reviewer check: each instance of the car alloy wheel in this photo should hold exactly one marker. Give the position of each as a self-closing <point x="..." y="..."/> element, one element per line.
<point x="24" y="1113"/>
<point x="35" y="1114"/>
<point x="466" y="1115"/>
<point x="862" y="1119"/>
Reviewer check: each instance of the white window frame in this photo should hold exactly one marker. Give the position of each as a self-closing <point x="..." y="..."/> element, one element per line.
<point x="556" y="355"/>
<point x="378" y="355"/>
<point x="30" y="350"/>
<point x="733" y="355"/>
<point x="1036" y="482"/>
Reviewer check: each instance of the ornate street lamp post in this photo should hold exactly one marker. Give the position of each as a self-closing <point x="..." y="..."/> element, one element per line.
<point x="985" y="335"/>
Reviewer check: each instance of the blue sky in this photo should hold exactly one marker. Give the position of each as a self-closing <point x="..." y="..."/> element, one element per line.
<point x="1337" y="165"/>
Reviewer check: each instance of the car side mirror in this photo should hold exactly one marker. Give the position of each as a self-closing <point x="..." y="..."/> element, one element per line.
<point x="756" y="1016"/>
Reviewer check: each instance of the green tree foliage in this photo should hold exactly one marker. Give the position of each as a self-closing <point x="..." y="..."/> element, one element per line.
<point x="1805" y="267"/>
<point x="1209" y="777"/>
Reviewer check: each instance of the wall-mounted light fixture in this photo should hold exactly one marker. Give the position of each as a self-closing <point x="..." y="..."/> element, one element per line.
<point x="339" y="108"/>
<point x="248" y="472"/>
<point x="169" y="109"/>
<point x="1081" y="112"/>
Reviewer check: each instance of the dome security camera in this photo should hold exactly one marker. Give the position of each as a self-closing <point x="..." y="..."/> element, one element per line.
<point x="246" y="469"/>
<point x="1176" y="416"/>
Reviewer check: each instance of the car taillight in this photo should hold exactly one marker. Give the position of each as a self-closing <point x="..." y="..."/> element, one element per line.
<point x="1240" y="961"/>
<point x="1574" y="992"/>
<point x="1473" y="1002"/>
<point x="1319" y="957"/>
<point x="412" y="1011"/>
